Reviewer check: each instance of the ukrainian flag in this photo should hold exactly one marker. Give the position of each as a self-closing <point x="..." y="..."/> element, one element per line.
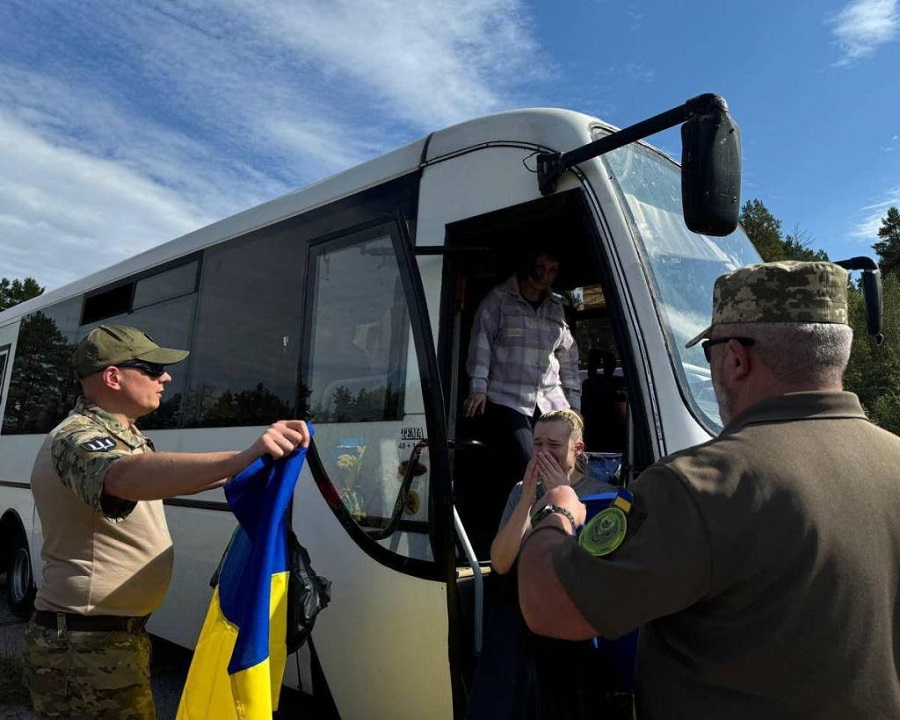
<point x="239" y="660"/>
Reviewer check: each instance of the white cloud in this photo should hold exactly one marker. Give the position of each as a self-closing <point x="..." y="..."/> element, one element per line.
<point x="866" y="229"/>
<point x="125" y="125"/>
<point x="863" y="26"/>
<point x="70" y="213"/>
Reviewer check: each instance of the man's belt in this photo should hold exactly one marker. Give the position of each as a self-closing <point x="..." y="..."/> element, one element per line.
<point x="89" y="623"/>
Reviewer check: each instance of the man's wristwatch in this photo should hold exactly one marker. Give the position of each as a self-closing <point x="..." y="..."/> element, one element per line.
<point x="549" y="510"/>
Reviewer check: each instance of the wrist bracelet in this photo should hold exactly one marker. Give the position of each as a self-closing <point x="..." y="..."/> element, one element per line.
<point x="550" y="510"/>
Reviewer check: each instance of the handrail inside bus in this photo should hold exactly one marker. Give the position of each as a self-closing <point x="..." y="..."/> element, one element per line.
<point x="469" y="552"/>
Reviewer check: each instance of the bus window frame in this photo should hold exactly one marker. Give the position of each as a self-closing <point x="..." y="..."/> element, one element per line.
<point x="440" y="521"/>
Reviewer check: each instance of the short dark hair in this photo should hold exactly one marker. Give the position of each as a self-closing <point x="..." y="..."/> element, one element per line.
<point x="530" y="257"/>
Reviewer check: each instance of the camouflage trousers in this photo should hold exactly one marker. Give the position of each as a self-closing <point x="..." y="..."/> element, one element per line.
<point x="88" y="675"/>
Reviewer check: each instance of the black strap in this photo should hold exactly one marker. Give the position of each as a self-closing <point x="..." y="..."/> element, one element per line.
<point x="89" y="623"/>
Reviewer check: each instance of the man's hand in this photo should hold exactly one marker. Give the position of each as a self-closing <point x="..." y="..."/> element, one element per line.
<point x="280" y="439"/>
<point x="474" y="404"/>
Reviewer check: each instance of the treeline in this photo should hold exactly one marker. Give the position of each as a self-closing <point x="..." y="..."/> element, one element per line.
<point x="874" y="370"/>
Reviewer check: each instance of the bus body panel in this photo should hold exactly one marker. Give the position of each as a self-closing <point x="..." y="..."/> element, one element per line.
<point x="382" y="641"/>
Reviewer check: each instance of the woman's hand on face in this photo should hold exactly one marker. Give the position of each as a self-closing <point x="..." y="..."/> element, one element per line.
<point x="550" y="471"/>
<point x="530" y="481"/>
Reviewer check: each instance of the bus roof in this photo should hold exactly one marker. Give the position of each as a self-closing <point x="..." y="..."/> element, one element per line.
<point x="544" y="128"/>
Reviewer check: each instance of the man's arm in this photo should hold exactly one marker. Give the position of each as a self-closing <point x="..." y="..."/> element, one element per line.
<point x="484" y="329"/>
<point x="546" y="606"/>
<point x="567" y="354"/>
<point x="157" y="476"/>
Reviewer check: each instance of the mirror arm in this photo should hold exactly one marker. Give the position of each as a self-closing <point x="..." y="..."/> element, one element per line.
<point x="860" y="262"/>
<point x="551" y="166"/>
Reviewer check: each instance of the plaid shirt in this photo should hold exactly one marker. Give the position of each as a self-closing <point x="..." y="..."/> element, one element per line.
<point x="521" y="357"/>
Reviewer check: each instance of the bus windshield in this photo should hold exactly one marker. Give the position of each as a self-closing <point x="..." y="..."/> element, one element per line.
<point x="683" y="265"/>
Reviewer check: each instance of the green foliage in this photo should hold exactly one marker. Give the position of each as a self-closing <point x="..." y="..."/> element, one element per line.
<point x="381" y="403"/>
<point x="43" y="387"/>
<point x="889" y="245"/>
<point x="13" y="292"/>
<point x="796" y="247"/>
<point x="874" y="370"/>
<point x="248" y="407"/>
<point x="762" y="228"/>
<point x="764" y="231"/>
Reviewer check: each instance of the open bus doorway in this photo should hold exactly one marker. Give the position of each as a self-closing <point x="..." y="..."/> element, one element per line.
<point x="482" y="252"/>
<point x="487" y="250"/>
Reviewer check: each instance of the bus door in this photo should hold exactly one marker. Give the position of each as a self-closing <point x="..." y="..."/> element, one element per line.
<point x="482" y="250"/>
<point x="378" y="525"/>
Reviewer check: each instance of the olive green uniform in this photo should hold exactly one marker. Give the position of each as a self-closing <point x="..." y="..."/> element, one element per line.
<point x="764" y="571"/>
<point x="103" y="558"/>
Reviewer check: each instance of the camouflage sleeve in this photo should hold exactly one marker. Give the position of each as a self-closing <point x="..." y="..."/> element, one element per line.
<point x="82" y="458"/>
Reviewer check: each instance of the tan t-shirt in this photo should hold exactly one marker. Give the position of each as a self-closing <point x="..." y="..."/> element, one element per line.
<point x="98" y="559"/>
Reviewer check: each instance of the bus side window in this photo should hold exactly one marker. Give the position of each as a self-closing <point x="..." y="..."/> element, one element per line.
<point x="365" y="396"/>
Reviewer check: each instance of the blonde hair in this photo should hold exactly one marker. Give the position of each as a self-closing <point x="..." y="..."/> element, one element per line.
<point x="576" y="430"/>
<point x="569" y="417"/>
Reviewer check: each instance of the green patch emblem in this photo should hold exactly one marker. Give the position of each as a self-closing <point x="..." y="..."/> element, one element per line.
<point x="605" y="532"/>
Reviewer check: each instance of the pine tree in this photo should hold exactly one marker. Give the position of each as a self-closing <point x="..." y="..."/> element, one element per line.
<point x="12" y="292"/>
<point x="889" y="246"/>
<point x="763" y="229"/>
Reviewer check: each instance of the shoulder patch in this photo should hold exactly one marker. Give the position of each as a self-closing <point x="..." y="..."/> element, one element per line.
<point x="103" y="444"/>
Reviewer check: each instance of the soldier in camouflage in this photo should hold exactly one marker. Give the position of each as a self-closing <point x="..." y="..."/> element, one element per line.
<point x="98" y="486"/>
<point x="761" y="565"/>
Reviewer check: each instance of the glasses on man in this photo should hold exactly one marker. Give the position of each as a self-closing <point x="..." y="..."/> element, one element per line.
<point x="150" y="369"/>
<point x="707" y="344"/>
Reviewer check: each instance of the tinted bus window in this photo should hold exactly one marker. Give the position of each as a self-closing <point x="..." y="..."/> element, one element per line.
<point x="243" y="366"/>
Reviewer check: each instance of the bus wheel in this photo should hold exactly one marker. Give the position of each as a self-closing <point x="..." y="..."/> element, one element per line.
<point x="19" y="579"/>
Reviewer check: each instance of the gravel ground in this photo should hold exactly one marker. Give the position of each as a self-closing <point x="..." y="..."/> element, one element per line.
<point x="168" y="670"/>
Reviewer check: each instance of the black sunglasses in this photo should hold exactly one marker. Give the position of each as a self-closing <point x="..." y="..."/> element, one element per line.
<point x="707" y="344"/>
<point x="151" y="370"/>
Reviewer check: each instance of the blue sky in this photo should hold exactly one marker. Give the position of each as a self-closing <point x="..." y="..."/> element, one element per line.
<point x="126" y="124"/>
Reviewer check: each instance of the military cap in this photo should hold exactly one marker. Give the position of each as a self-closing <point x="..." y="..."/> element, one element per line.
<point x="784" y="291"/>
<point x="114" y="344"/>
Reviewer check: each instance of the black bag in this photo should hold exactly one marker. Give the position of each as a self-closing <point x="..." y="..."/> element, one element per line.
<point x="308" y="594"/>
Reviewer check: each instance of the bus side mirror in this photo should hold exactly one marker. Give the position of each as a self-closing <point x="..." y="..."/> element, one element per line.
<point x="872" y="293"/>
<point x="711" y="172"/>
<point x="871" y="286"/>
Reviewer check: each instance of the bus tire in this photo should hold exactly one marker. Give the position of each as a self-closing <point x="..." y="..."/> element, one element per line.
<point x="20" y="587"/>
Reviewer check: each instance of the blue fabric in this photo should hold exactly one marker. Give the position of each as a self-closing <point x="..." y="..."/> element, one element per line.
<point x="259" y="497"/>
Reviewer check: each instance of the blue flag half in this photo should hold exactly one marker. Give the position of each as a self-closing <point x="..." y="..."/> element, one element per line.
<point x="239" y="660"/>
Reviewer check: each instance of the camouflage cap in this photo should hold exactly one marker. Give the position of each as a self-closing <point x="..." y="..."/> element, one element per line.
<point x="785" y="291"/>
<point x="113" y="344"/>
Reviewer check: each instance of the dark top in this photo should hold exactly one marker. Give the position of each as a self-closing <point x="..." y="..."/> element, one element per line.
<point x="765" y="572"/>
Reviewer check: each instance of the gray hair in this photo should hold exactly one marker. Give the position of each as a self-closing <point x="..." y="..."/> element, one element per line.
<point x="802" y="354"/>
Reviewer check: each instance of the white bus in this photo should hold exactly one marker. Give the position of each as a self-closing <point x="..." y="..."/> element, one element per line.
<point x="352" y="301"/>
